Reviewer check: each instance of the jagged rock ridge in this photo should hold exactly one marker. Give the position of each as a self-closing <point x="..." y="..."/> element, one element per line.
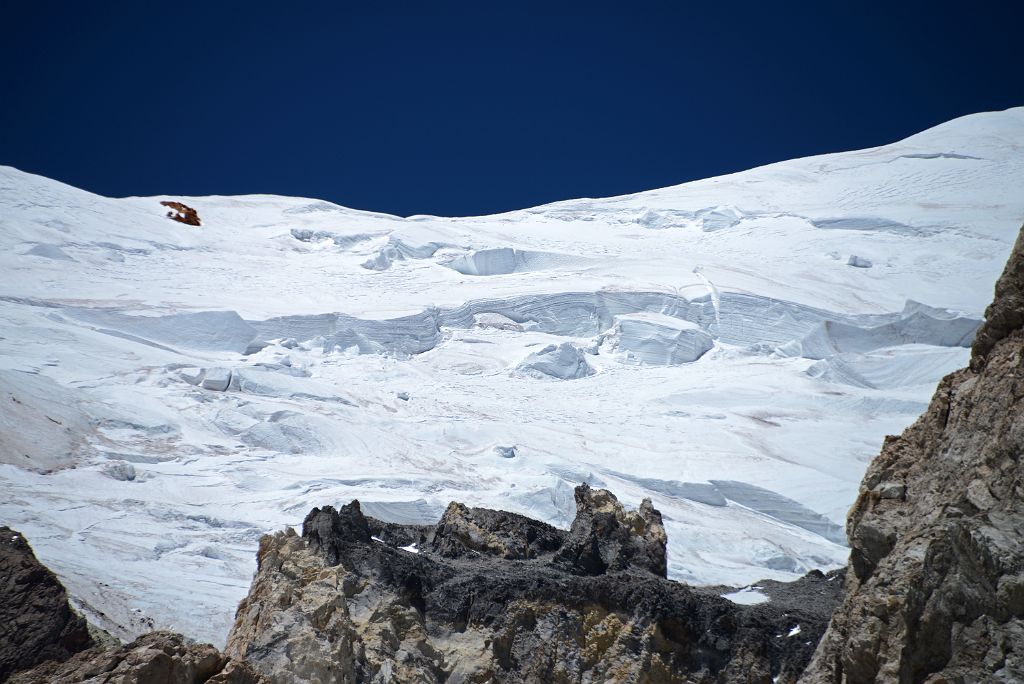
<point x="493" y="596"/>
<point x="935" y="591"/>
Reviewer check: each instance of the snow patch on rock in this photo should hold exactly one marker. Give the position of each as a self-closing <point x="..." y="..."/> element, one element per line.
<point x="748" y="596"/>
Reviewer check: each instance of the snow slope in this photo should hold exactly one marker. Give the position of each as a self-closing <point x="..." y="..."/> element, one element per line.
<point x="170" y="393"/>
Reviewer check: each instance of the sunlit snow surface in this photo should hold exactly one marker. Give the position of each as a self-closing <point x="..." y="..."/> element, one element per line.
<point x="712" y="346"/>
<point x="747" y="596"/>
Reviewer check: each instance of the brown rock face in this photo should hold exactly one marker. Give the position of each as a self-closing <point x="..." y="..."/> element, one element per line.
<point x="1006" y="313"/>
<point x="157" y="657"/>
<point x="36" y="622"/>
<point x="489" y="596"/>
<point x="935" y="591"/>
<point x="182" y="213"/>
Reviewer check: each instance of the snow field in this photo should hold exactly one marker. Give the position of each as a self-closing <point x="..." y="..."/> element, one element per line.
<point x="171" y="393"/>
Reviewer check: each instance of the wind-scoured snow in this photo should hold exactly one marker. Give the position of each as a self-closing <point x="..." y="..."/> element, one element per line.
<point x="734" y="348"/>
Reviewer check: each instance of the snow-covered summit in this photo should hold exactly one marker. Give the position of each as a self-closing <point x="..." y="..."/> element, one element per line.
<point x="734" y="348"/>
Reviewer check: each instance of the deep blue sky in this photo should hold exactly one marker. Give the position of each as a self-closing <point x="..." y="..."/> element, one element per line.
<point x="478" y="107"/>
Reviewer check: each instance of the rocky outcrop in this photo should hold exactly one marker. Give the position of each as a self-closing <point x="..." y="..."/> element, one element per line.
<point x="182" y="213"/>
<point x="465" y="531"/>
<point x="607" y="538"/>
<point x="935" y="588"/>
<point x="36" y="622"/>
<point x="163" y="657"/>
<point x="43" y="641"/>
<point x="488" y="596"/>
<point x="1005" y="315"/>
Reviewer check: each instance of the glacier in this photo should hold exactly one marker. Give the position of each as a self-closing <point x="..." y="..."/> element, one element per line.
<point x="735" y="348"/>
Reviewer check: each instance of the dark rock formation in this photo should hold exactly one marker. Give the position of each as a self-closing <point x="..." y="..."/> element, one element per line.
<point x="607" y="538"/>
<point x="330" y="532"/>
<point x="43" y="641"/>
<point x="492" y="596"/>
<point x="465" y="531"/>
<point x="182" y="213"/>
<point x="36" y="622"/>
<point x="157" y="657"/>
<point x="935" y="590"/>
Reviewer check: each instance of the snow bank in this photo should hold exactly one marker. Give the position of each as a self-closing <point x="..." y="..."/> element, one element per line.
<point x="42" y="426"/>
<point x="657" y="339"/>
<point x="781" y="508"/>
<point x="49" y="252"/>
<point x="563" y="361"/>
<point x="658" y="328"/>
<point x="891" y="367"/>
<point x="202" y="330"/>
<point x="216" y="379"/>
<point x="913" y="327"/>
<point x="506" y="260"/>
<point x="344" y="241"/>
<point x="398" y="250"/>
<point x="872" y="224"/>
<point x="719" y="218"/>
<point x="416" y="512"/>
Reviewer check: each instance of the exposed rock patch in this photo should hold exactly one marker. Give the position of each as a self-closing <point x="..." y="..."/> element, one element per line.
<point x="489" y="596"/>
<point x="182" y="213"/>
<point x="935" y="591"/>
